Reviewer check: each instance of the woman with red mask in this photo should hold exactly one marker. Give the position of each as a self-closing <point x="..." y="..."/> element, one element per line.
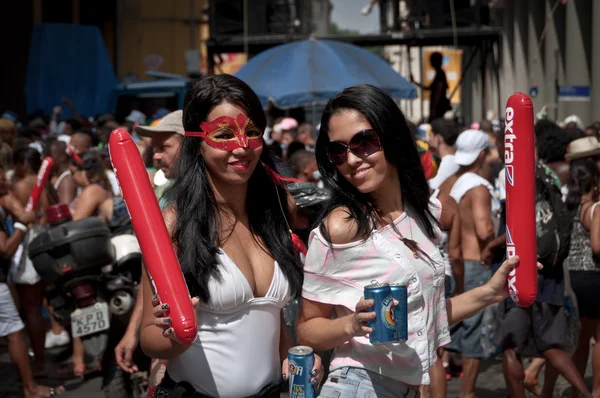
<point x="229" y="222"/>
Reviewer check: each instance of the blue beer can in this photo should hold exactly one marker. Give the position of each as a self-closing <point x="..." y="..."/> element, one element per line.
<point x="301" y="361"/>
<point x="384" y="326"/>
<point x="400" y="294"/>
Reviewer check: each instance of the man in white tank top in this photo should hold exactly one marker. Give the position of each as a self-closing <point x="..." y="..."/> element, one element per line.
<point x="473" y="194"/>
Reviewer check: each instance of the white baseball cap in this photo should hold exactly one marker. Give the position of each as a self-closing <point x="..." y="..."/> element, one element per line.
<point x="136" y="117"/>
<point x="469" y="145"/>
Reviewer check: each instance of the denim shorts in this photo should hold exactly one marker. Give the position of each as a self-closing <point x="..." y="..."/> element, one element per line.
<point x="466" y="335"/>
<point x="350" y="382"/>
<point x="10" y="320"/>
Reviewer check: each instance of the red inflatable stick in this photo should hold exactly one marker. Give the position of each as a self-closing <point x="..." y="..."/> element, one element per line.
<point x="519" y="160"/>
<point x="40" y="183"/>
<point x="71" y="153"/>
<point x="157" y="249"/>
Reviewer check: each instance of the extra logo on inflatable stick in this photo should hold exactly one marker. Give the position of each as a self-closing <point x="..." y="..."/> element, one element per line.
<point x="519" y="160"/>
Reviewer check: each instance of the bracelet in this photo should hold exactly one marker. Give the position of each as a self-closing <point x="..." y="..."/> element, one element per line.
<point x="21" y="227"/>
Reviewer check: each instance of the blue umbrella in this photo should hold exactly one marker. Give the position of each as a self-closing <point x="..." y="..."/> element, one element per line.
<point x="312" y="71"/>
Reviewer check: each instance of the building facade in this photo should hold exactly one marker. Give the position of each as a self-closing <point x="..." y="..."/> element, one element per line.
<point x="158" y="34"/>
<point x="546" y="50"/>
<point x="549" y="43"/>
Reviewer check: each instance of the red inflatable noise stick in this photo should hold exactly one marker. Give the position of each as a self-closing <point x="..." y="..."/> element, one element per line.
<point x="519" y="160"/>
<point x="71" y="153"/>
<point x="157" y="249"/>
<point x="40" y="182"/>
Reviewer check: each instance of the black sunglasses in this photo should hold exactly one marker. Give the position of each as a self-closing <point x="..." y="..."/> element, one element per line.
<point x="363" y="143"/>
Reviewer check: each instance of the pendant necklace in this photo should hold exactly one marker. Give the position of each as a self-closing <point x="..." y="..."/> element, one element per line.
<point x="411" y="244"/>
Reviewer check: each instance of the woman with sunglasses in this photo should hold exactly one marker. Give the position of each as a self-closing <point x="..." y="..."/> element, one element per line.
<point x="380" y="225"/>
<point x="229" y="224"/>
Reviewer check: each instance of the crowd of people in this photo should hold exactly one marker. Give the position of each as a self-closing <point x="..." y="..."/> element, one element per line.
<point x="471" y="178"/>
<point x="423" y="206"/>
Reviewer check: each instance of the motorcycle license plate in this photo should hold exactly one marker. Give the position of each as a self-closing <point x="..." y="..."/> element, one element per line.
<point x="90" y="320"/>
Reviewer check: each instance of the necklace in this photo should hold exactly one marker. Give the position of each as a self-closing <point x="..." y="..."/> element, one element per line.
<point x="411" y="244"/>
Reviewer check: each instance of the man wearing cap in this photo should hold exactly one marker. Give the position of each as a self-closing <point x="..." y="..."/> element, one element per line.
<point x="166" y="136"/>
<point x="473" y="194"/>
<point x="586" y="147"/>
<point x="136" y="117"/>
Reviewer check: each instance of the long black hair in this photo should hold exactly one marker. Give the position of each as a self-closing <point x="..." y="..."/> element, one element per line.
<point x="583" y="177"/>
<point x="93" y="165"/>
<point x="399" y="148"/>
<point x="196" y="234"/>
<point x="551" y="141"/>
<point x="28" y="156"/>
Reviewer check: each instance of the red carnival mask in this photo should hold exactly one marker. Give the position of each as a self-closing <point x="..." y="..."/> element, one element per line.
<point x="226" y="133"/>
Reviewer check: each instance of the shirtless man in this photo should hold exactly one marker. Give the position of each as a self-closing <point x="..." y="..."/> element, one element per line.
<point x="473" y="195"/>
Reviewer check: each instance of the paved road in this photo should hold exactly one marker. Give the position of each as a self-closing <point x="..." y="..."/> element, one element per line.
<point x="490" y="383"/>
<point x="10" y="387"/>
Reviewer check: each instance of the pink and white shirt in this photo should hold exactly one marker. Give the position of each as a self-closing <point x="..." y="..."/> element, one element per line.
<point x="336" y="274"/>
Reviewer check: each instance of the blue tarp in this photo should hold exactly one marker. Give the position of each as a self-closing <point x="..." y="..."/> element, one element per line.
<point x="68" y="61"/>
<point x="313" y="71"/>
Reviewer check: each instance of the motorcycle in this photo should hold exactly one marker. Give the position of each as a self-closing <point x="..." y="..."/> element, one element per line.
<point x="310" y="200"/>
<point x="92" y="274"/>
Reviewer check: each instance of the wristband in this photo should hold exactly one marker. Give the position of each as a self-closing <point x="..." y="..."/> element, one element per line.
<point x="21" y="227"/>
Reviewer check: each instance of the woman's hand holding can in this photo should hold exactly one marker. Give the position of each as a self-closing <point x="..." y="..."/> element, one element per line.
<point x="358" y="322"/>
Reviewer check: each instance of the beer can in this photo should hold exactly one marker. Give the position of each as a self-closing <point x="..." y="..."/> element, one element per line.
<point x="384" y="326"/>
<point x="400" y="294"/>
<point x="301" y="360"/>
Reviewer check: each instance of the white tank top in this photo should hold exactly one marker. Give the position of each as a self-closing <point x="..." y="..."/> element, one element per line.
<point x="466" y="182"/>
<point x="236" y="352"/>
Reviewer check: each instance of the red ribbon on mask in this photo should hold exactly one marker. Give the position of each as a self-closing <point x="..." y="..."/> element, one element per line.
<point x="278" y="179"/>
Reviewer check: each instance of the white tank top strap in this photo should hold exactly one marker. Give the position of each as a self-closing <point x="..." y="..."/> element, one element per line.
<point x="593" y="208"/>
<point x="60" y="178"/>
<point x="466" y="182"/>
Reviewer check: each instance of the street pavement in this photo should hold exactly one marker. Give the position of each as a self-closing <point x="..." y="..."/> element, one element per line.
<point x="490" y="383"/>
